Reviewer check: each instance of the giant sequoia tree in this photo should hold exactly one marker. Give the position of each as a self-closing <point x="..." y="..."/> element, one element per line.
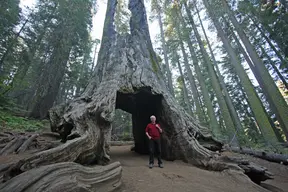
<point x="127" y="76"/>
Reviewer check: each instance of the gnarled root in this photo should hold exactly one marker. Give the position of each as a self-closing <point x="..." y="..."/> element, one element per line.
<point x="67" y="176"/>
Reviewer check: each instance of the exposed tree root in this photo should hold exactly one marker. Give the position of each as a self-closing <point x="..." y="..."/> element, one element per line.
<point x="67" y="176"/>
<point x="27" y="143"/>
<point x="13" y="145"/>
<point x="127" y="77"/>
<point x="255" y="172"/>
<point x="21" y="142"/>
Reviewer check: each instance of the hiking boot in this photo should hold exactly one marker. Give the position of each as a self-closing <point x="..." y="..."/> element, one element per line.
<point x="161" y="165"/>
<point x="151" y="166"/>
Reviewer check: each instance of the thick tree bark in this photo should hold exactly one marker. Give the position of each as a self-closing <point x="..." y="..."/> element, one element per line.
<point x="130" y="81"/>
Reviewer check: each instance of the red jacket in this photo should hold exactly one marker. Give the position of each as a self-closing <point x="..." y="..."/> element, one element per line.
<point x="153" y="131"/>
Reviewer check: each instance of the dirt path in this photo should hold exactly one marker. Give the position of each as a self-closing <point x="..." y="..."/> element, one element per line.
<point x="180" y="177"/>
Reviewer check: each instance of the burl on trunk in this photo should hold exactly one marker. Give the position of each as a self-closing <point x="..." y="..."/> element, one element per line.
<point x="127" y="76"/>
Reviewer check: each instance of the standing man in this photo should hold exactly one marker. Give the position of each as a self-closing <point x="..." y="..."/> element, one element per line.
<point x="153" y="132"/>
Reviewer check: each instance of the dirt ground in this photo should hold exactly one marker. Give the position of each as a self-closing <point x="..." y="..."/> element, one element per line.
<point x="178" y="176"/>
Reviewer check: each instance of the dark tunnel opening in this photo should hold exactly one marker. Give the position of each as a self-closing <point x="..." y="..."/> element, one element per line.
<point x="141" y="104"/>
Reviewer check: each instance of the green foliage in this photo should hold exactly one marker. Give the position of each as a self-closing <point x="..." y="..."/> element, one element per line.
<point x="126" y="136"/>
<point x="153" y="62"/>
<point x="51" y="54"/>
<point x="10" y="121"/>
<point x="272" y="16"/>
<point x="122" y="126"/>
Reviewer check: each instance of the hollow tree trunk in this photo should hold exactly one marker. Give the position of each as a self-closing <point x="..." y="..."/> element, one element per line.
<point x="127" y="78"/>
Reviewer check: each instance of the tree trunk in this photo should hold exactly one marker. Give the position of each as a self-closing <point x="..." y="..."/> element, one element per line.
<point x="199" y="112"/>
<point x="273" y="157"/>
<point x="185" y="92"/>
<point x="49" y="84"/>
<point x="272" y="33"/>
<point x="94" y="57"/>
<point x="9" y="48"/>
<point x="272" y="124"/>
<point x="233" y="112"/>
<point x="213" y="123"/>
<point x="169" y="75"/>
<point x="214" y="80"/>
<point x="273" y="65"/>
<point x="129" y="82"/>
<point x="284" y="62"/>
<point x="19" y="79"/>
<point x="274" y="97"/>
<point x="252" y="96"/>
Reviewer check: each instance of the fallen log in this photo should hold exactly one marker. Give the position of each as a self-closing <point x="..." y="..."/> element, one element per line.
<point x="4" y="134"/>
<point x="27" y="143"/>
<point x="273" y="157"/>
<point x="8" y="133"/>
<point x="6" y="140"/>
<point x="67" y="176"/>
<point x="12" y="145"/>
